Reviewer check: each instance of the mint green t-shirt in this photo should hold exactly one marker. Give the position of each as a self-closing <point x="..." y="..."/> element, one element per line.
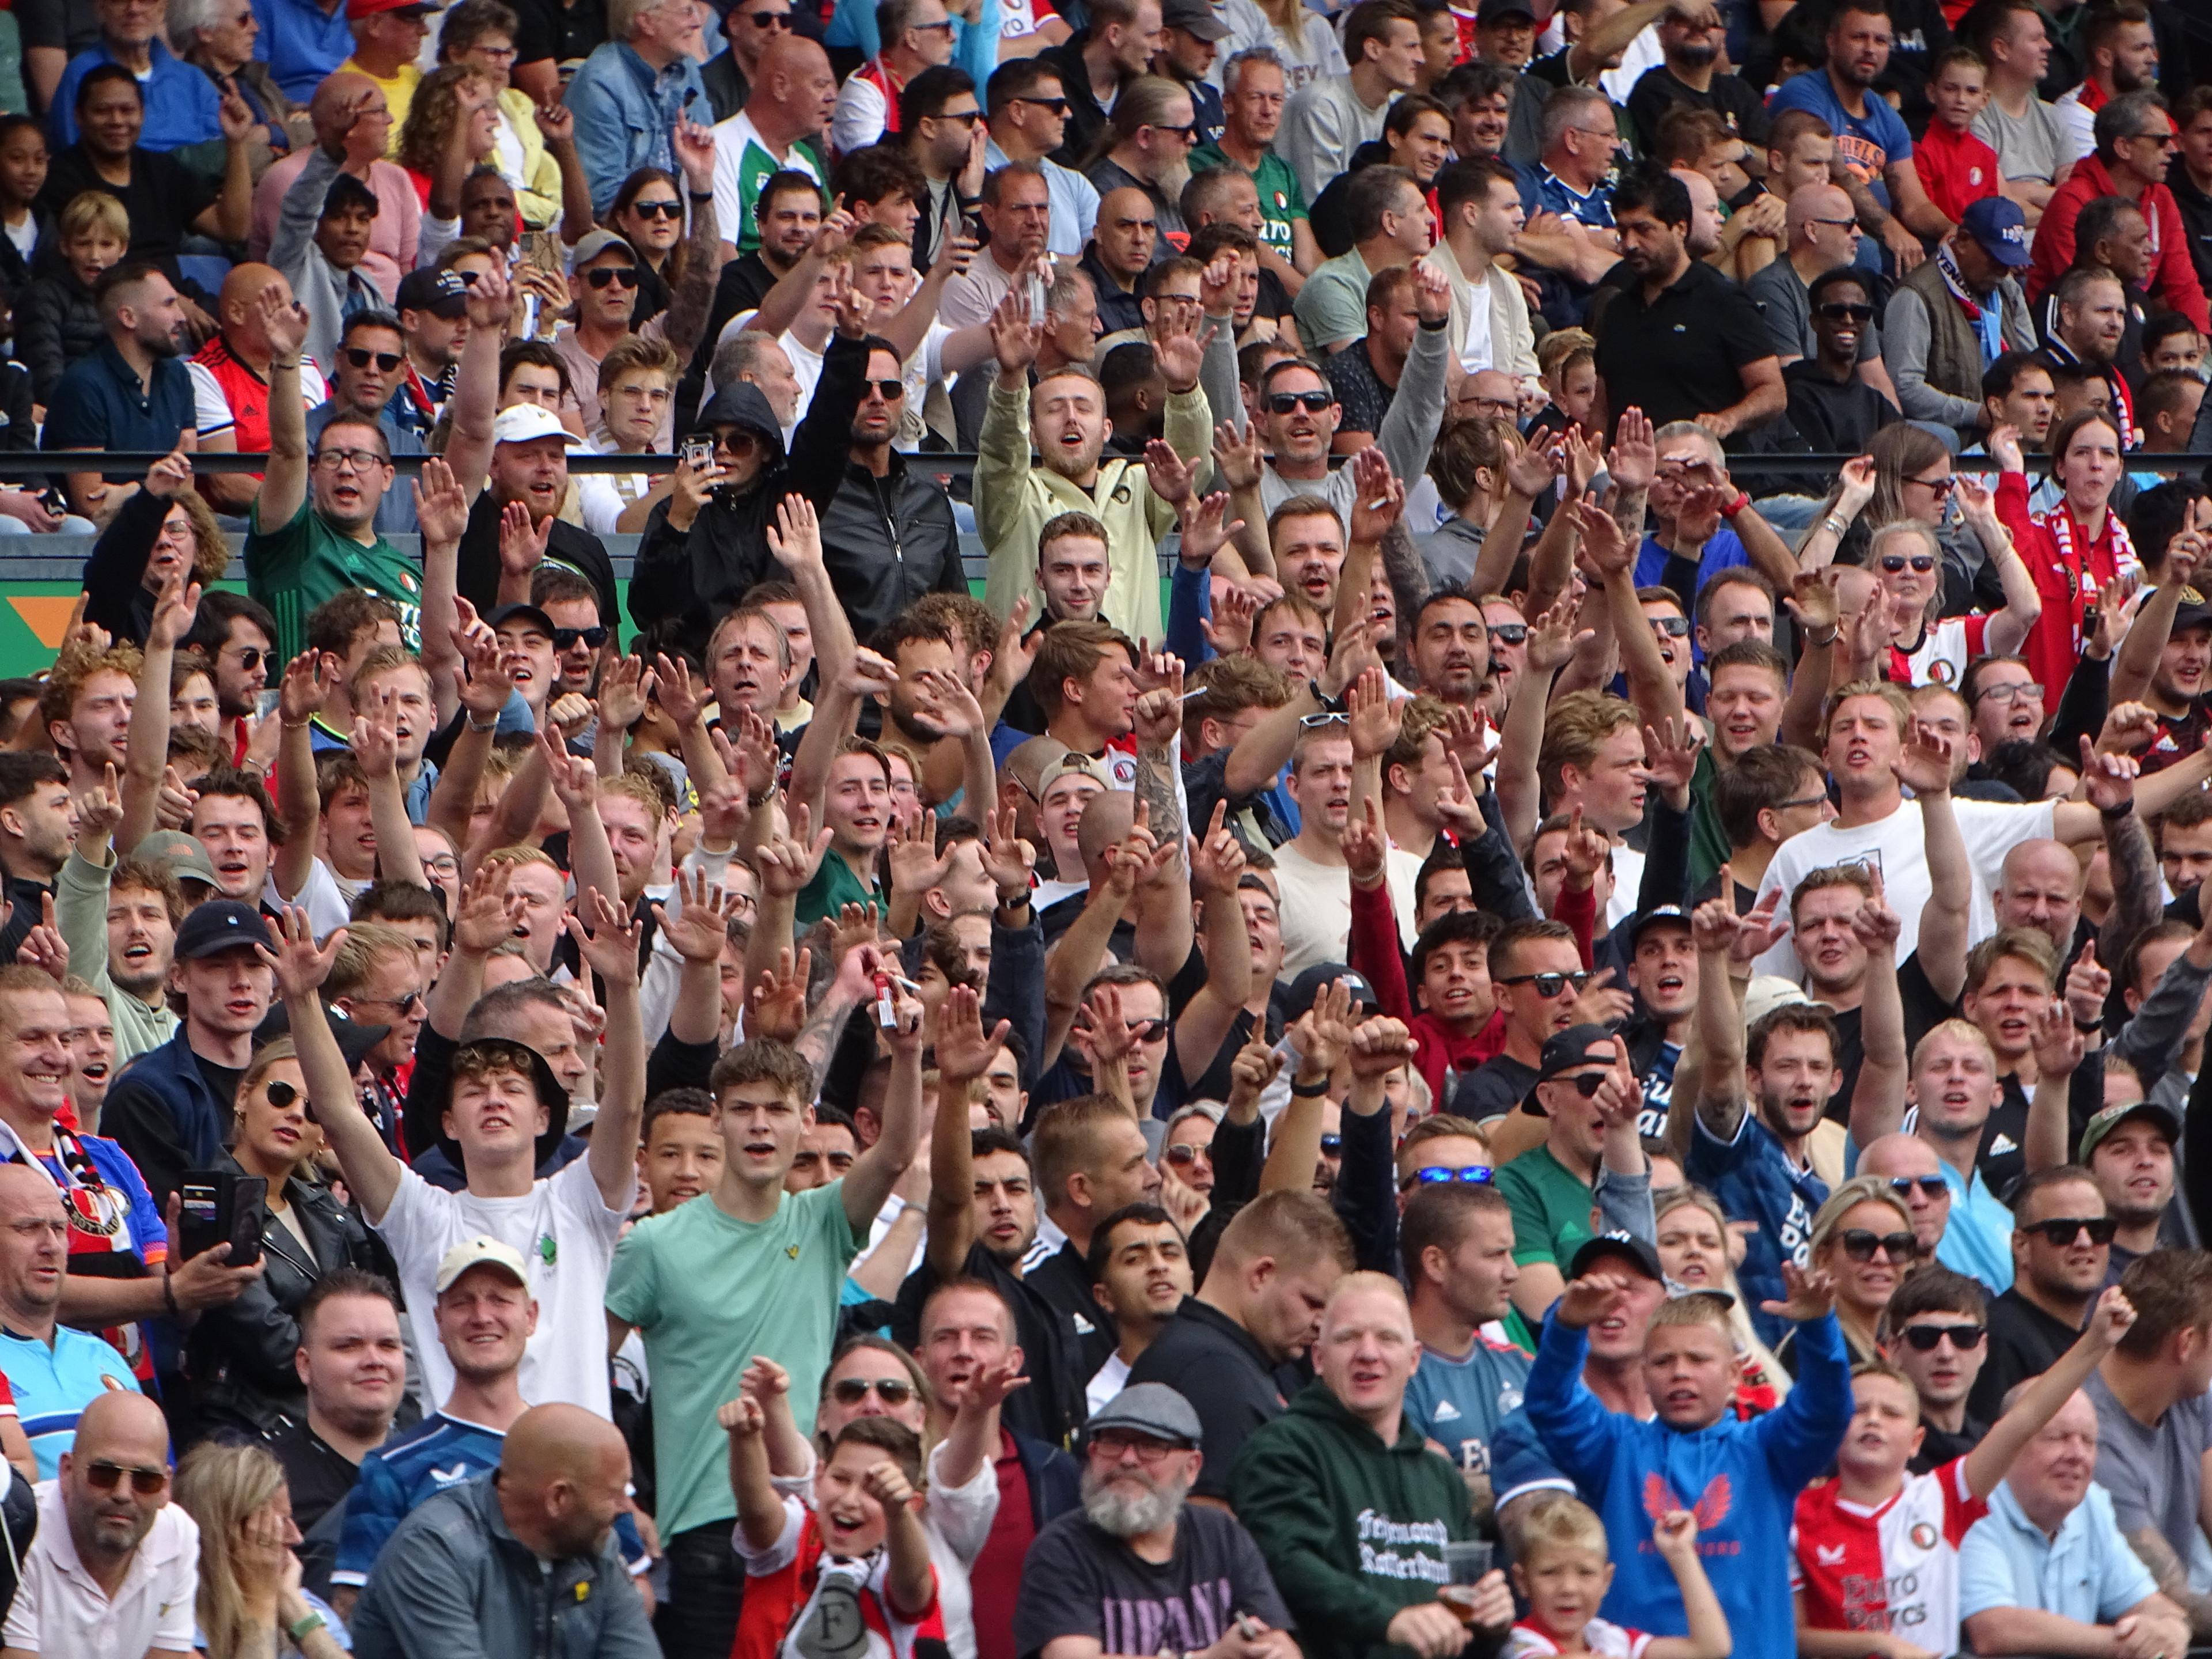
<point x="1281" y="201"/>
<point x="1551" y="1206"/>
<point x="834" y="887"/>
<point x="707" y="1292"/>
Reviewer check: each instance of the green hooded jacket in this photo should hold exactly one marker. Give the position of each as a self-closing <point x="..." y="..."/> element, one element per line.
<point x="1352" y="1529"/>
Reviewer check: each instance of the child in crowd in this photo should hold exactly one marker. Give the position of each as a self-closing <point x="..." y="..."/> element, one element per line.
<point x="1567" y="359"/>
<point x="58" y="320"/>
<point x="1955" y="168"/>
<point x="858" y="1553"/>
<point x="1877" y="1549"/>
<point x="1562" y="1573"/>
<point x="2170" y="340"/>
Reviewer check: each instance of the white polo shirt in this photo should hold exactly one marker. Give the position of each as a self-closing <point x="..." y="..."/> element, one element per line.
<point x="61" y="1612"/>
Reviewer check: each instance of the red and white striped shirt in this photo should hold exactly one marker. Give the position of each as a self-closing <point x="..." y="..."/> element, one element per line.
<point x="1894" y="1567"/>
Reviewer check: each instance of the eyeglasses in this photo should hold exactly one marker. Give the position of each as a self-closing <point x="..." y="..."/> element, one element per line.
<point x="1672" y="627"/>
<point x="766" y="20"/>
<point x="658" y="209"/>
<point x="1931" y="1186"/>
<point x="1475" y="1174"/>
<point x="103" y="1477"/>
<point x="1057" y="106"/>
<point x="2025" y="691"/>
<point x="386" y="360"/>
<point x="1964" y="1338"/>
<point x="965" y="117"/>
<point x="2063" y="1231"/>
<point x="1494" y="408"/>
<point x="494" y="54"/>
<point x="1282" y="402"/>
<point x="1939" y="487"/>
<point x="442" y="864"/>
<point x="1841" y="312"/>
<point x="2163" y="140"/>
<point x="359" y="459"/>
<point x="1181" y="1154"/>
<point x="1510" y="633"/>
<point x="1187" y="132"/>
<point x="625" y="275"/>
<point x="1114" y="1446"/>
<point x="1860" y="1245"/>
<point x="1893" y="563"/>
<point x="1810" y="800"/>
<point x="852" y="1390"/>
<point x="1548" y="985"/>
<point x="564" y="639"/>
<point x="889" y="391"/>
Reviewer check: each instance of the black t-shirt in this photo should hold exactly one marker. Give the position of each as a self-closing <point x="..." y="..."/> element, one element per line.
<point x="1834" y="417"/>
<point x="565" y="33"/>
<point x="1493" y="1088"/>
<point x="2024" y="1341"/>
<point x="1677" y="356"/>
<point x="162" y="199"/>
<point x="1923" y="1011"/>
<point x="1063" y="1279"/>
<point x="316" y="1473"/>
<point x="1221" y="1368"/>
<point x="1359" y="388"/>
<point x="71" y="26"/>
<point x="1939" y="1446"/>
<point x="1732" y="98"/>
<point x="1080" y="1580"/>
<point x="578" y="549"/>
<point x="1052" y="1407"/>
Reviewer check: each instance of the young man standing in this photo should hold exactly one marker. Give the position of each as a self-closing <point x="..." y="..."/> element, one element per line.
<point x="1456" y="1242"/>
<point x="2061" y="1251"/>
<point x="1141" y="1273"/>
<point x="1480" y="203"/>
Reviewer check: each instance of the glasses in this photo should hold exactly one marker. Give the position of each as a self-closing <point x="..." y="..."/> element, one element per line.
<point x="925" y="27"/>
<point x="564" y="639"/>
<point x="1893" y="563"/>
<point x="1673" y="628"/>
<point x="1813" y="800"/>
<point x="1495" y="408"/>
<point x="1939" y="487"/>
<point x="443" y="864"/>
<point x="766" y="20"/>
<point x="1282" y="402"/>
<point x="1964" y="1338"/>
<point x="1147" y="1030"/>
<point x="658" y="209"/>
<point x="1476" y="1174"/>
<point x="1860" y="1245"/>
<point x="1510" y="633"/>
<point x="624" y="276"/>
<point x="386" y="360"/>
<point x="2063" y="1231"/>
<point x="1852" y="225"/>
<point x="852" y="1390"/>
<point x="889" y="391"/>
<point x="965" y="117"/>
<point x="1180" y="1154"/>
<point x="1114" y="1446"/>
<point x="494" y="54"/>
<point x="1187" y="132"/>
<point x="1057" y="106"/>
<point x="1931" y="1186"/>
<point x="739" y="442"/>
<point x="1841" y="312"/>
<point x="2025" y="691"/>
<point x="249" y="657"/>
<point x="1314" y="722"/>
<point x="361" y="460"/>
<point x="103" y="1477"/>
<point x="405" y="1005"/>
<point x="2163" y="140"/>
<point x="1332" y="1146"/>
<point x="1548" y="985"/>
<point x="1586" y="1083"/>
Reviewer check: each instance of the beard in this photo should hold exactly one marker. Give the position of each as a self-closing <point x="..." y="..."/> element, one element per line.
<point x="1703" y="57"/>
<point x="1124" y="1516"/>
<point x="1170" y="180"/>
<point x="159" y="343"/>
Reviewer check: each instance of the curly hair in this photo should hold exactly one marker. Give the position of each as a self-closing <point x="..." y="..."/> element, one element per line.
<point x="430" y="116"/>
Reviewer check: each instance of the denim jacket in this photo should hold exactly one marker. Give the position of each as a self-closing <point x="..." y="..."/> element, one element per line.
<point x="625" y="112"/>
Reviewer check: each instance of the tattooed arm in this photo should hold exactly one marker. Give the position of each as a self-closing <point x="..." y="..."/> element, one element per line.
<point x="2172" y="1576"/>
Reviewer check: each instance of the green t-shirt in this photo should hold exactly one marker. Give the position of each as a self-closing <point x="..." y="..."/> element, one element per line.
<point x="1551" y="1208"/>
<point x="834" y="887"/>
<point x="1280" y="200"/>
<point x="708" y="1292"/>
<point x="1333" y="304"/>
<point x="1709" y="843"/>
<point x="294" y="568"/>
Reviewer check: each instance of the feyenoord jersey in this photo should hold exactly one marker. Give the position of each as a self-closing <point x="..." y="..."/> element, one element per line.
<point x="1530" y="1640"/>
<point x="1894" y="1567"/>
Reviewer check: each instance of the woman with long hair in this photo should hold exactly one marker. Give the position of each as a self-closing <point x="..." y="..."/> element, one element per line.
<point x="250" y="1605"/>
<point x="455" y="105"/>
<point x="480" y="34"/>
<point x="1697" y="1251"/>
<point x="162" y="529"/>
<point x="648" y="214"/>
<point x="1861" y="1239"/>
<point x="2078" y="551"/>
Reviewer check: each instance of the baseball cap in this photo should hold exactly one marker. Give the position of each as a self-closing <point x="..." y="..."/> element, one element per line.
<point x="481" y="1252"/>
<point x="355" y="1039"/>
<point x="1074" y="761"/>
<point x="1768" y="992"/>
<point x="521" y="423"/>
<point x="520" y="1056"/>
<point x="529" y="613"/>
<point x="1195" y="18"/>
<point x="1150" y="1408"/>
<point x="595" y="243"/>
<point x="1569" y="1050"/>
<point x="1644" y="919"/>
<point x="1311" y="982"/>
<point x="180" y="855"/>
<point x="221" y="925"/>
<point x="357" y="10"/>
<point x="1494" y="11"/>
<point x="442" y="292"/>
<point x="2104" y="1122"/>
<point x="2193" y="612"/>
<point x="1999" y="226"/>
<point x="1626" y="1247"/>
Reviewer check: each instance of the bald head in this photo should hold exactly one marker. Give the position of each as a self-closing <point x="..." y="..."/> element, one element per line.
<point x="1108" y="818"/>
<point x="241" y="316"/>
<point x="24" y="1192"/>
<point x="794" y="75"/>
<point x="122" y="1427"/>
<point x="1899" y="1157"/>
<point x="1812" y="204"/>
<point x="2039" y="886"/>
<point x="125" y="1432"/>
<point x="562" y="1476"/>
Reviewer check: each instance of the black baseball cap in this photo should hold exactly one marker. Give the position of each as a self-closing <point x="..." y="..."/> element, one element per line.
<point x="529" y="613"/>
<point x="550" y="1094"/>
<point x="221" y="924"/>
<point x="1307" y="988"/>
<point x="442" y="292"/>
<point x="1569" y="1050"/>
<point x="1622" y="1246"/>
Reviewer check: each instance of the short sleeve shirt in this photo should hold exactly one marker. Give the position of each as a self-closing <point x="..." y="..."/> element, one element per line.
<point x="2155" y="1473"/>
<point x="1894" y="1566"/>
<point x="1459" y="1403"/>
<point x="1551" y="1206"/>
<point x="299" y="565"/>
<point x="53" y="1386"/>
<point x="1333" y="304"/>
<point x="1365" y="398"/>
<point x="2028" y="145"/>
<point x="1081" y="1581"/>
<point x="1865" y="144"/>
<point x="742" y="164"/>
<point x="1682" y="354"/>
<point x="2089" y="1573"/>
<point x="100" y="404"/>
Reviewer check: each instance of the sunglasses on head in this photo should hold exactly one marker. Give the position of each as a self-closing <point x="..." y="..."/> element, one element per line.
<point x="2063" y="1231"/>
<point x="104" y="1477"/>
<point x="1547" y="985"/>
<point x="852" y="1390"/>
<point x="1282" y="402"/>
<point x="1893" y="563"/>
<point x="361" y="358"/>
<point x="658" y="209"/>
<point x="1477" y="1175"/>
<point x="564" y="639"/>
<point x="626" y="276"/>
<point x="1179" y="1154"/>
<point x="1839" y="311"/>
<point x="1510" y="633"/>
<point x="1860" y="1244"/>
<point x="1964" y="1338"/>
<point x="1931" y="1186"/>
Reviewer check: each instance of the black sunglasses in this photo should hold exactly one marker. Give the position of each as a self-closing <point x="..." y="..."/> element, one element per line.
<point x="1893" y="563"/>
<point x="1964" y="1338"/>
<point x="249" y="657"/>
<point x="2063" y="1231"/>
<point x="1282" y="402"/>
<point x="1189" y="130"/>
<point x="891" y="1390"/>
<point x="1859" y="1243"/>
<point x="281" y="1094"/>
<point x="624" y="275"/>
<point x="1510" y="633"/>
<point x="564" y="639"/>
<point x="1586" y="1083"/>
<point x="1840" y="312"/>
<point x="1547" y="985"/>
<point x="889" y="391"/>
<point x="766" y="20"/>
<point x="965" y="117"/>
<point x="1057" y="106"/>
<point x="359" y="358"/>
<point x="1332" y="1146"/>
<point x="1931" y="1186"/>
<point x="658" y="209"/>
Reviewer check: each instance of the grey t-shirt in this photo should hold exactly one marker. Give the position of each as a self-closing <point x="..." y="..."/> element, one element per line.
<point x="1786" y="305"/>
<point x="2154" y="1475"/>
<point x="2029" y="146"/>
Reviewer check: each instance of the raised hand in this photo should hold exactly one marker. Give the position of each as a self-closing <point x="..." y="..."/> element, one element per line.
<point x="1102" y="1030"/>
<point x="44" y="947"/>
<point x="1876" y="925"/>
<point x="700" y="928"/>
<point x="175" y="609"/>
<point x="575" y="780"/>
<point x="917" y="865"/>
<point x="965" y="1049"/>
<point x="741" y="1418"/>
<point x="2088" y="983"/>
<point x="1322" y="1033"/>
<point x="1809" y="1293"/>
<point x="623" y="689"/>
<point x="1179" y="351"/>
<point x="1552" y="640"/>
<point x="1674" y="1534"/>
<point x="1812" y="599"/>
<point x="376" y="740"/>
<point x="1238" y="456"/>
<point x="1671" y="752"/>
<point x="488" y="913"/>
<point x="777" y="1007"/>
<point x="1590" y="1298"/>
<point x="2057" y="1046"/>
<point x="2113" y="1317"/>
<point x="2108" y="782"/>
<point x="441" y="511"/>
<point x="1379" y="1047"/>
<point x="1365" y="845"/>
<point x="1923" y="761"/>
<point x="2128" y="727"/>
<point x="100" y="810"/>
<point x="1603" y="547"/>
<point x="786" y="863"/>
<point x="490" y="299"/>
<point x="763" y="1380"/>
<point x="950" y="702"/>
<point x="169" y="475"/>
<point x="1531" y="467"/>
<point x="1204" y="533"/>
<point x="674" y="690"/>
<point x="1378" y="496"/>
<point x="2003" y="448"/>
<point x="301" y="693"/>
<point x="521" y="544"/>
<point x="283" y="322"/>
<point x="1167" y="472"/>
<point x="795" y="537"/>
<point x="610" y="948"/>
<point x="1014" y="337"/>
<point x="694" y="146"/>
<point x="1217" y="859"/>
<point x="1229" y="630"/>
<point x="1251" y="1072"/>
<point x="301" y="966"/>
<point x="1634" y="461"/>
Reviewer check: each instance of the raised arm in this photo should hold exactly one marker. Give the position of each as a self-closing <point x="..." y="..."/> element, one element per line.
<point x="1552" y="644"/>
<point x="2008" y="628"/>
<point x="1874" y="1105"/>
<point x="868" y="1183"/>
<point x="299" y="698"/>
<point x="285" y="485"/>
<point x="2039" y="1402"/>
<point x="371" y="1174"/>
<point x="964" y="1053"/>
<point x="1206" y="1019"/>
<point x="608" y="951"/>
<point x="1924" y="768"/>
<point x="376" y="745"/>
<point x="475" y="403"/>
<point x="1723" y="939"/>
<point x="441" y="514"/>
<point x="575" y="783"/>
<point x="146" y="752"/>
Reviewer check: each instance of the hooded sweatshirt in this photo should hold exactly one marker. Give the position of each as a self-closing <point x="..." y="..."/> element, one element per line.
<point x="1352" y="1529"/>
<point x="1739" y="1479"/>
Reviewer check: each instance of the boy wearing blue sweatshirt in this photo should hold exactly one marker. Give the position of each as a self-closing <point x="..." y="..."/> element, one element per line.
<point x="1739" y="1479"/>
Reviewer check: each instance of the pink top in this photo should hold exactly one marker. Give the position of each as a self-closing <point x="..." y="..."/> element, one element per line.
<point x="398" y="219"/>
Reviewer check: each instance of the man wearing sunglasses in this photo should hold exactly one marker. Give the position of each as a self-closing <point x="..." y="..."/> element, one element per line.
<point x="2061" y="1252"/>
<point x="1028" y="112"/>
<point x="1933" y="1330"/>
<point x="1833" y="410"/>
<point x="369" y="365"/>
<point x="2135" y="145"/>
<point x="915" y="35"/>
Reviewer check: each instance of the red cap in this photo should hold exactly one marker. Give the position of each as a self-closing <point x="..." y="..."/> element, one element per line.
<point x="357" y="10"/>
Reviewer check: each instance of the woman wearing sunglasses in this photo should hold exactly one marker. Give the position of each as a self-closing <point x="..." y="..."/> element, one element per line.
<point x="1926" y="647"/>
<point x="2078" y="551"/>
<point x="1861" y="1239"/>
<point x="240" y="1355"/>
<point x="1700" y="1252"/>
<point x="649" y="214"/>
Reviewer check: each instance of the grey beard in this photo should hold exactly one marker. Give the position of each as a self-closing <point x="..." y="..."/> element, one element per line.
<point x="1127" y="1517"/>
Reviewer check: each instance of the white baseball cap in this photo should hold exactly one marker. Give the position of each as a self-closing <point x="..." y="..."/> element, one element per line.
<point x="519" y="423"/>
<point x="481" y="1252"/>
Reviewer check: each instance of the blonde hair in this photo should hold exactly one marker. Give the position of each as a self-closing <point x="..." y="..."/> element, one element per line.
<point x="1560" y="1522"/>
<point x="1757" y="1355"/>
<point x="1575" y="729"/>
<point x="1859" y="1189"/>
<point x="221" y="1486"/>
<point x="94" y="211"/>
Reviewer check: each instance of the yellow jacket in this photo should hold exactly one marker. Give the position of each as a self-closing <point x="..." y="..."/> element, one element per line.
<point x="539" y="198"/>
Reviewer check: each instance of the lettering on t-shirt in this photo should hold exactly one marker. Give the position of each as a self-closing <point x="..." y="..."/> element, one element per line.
<point x="1796" y="1233"/>
<point x="1389" y="1562"/>
<point x="1863" y="158"/>
<point x="1870" y="1600"/>
<point x="1184" y="1623"/>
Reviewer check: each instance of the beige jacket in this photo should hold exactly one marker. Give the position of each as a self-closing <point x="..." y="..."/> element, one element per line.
<point x="1512" y="342"/>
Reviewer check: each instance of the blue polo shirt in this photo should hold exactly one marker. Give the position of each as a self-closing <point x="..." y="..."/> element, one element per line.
<point x="1978" y="1239"/>
<point x="100" y="404"/>
<point x="52" y="1385"/>
<point x="1864" y="145"/>
<point x="301" y="44"/>
<point x="2087" y="1573"/>
<point x="180" y="101"/>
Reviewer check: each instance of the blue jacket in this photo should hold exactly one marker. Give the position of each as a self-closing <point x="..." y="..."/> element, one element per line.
<point x="1741" y="1480"/>
<point x="302" y="42"/>
<point x="181" y="102"/>
<point x="625" y="112"/>
<point x="188" y="1135"/>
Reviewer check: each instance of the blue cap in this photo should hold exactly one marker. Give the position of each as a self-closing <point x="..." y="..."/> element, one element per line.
<point x="2000" y="228"/>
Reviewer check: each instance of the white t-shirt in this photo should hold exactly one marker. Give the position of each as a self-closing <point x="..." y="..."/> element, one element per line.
<point x="858" y="119"/>
<point x="566" y="1233"/>
<point x="1895" y="844"/>
<point x="59" y="1611"/>
<point x="1109" y="1380"/>
<point x="327" y="901"/>
<point x="211" y="409"/>
<point x="1316" y="909"/>
<point x="24" y="234"/>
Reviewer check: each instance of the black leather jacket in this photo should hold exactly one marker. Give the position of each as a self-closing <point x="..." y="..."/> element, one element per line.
<point x="239" y="1356"/>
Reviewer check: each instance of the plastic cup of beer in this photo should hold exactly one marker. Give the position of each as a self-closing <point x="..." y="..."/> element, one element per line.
<point x="1466" y="1561"/>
